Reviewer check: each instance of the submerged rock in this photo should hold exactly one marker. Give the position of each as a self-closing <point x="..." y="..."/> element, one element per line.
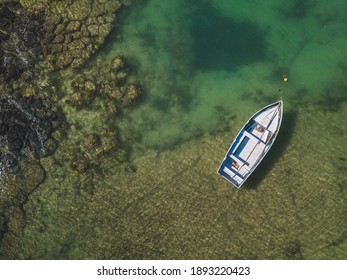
<point x="26" y="127"/>
<point x="21" y="34"/>
<point x="62" y="33"/>
<point x="109" y="82"/>
<point x="25" y="130"/>
<point x="76" y="28"/>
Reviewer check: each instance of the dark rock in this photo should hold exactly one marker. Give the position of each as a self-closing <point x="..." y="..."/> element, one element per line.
<point x="25" y="129"/>
<point x="74" y="29"/>
<point x="20" y="40"/>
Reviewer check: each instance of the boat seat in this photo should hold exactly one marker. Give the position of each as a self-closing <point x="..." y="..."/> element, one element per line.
<point x="238" y="160"/>
<point x="232" y="175"/>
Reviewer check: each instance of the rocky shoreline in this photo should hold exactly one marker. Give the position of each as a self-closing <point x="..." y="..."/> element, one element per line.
<point x="44" y="49"/>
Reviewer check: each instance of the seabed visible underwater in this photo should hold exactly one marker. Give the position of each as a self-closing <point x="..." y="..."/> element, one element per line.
<point x="205" y="68"/>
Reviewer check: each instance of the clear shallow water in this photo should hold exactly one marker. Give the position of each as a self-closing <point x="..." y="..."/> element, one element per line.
<point x="205" y="68"/>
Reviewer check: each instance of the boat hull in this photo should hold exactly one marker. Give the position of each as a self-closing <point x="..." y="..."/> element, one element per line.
<point x="251" y="144"/>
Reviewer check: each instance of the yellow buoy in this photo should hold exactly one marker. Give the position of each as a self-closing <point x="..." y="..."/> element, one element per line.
<point x="285" y="79"/>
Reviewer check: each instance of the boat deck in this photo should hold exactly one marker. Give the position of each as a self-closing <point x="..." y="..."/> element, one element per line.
<point x="251" y="145"/>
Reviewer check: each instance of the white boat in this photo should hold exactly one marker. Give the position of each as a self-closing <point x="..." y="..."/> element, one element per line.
<point x="251" y="144"/>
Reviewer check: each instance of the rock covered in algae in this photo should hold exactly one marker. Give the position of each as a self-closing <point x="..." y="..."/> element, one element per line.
<point x="25" y="128"/>
<point x="76" y="29"/>
<point x="16" y="187"/>
<point x="106" y="81"/>
<point x="21" y="36"/>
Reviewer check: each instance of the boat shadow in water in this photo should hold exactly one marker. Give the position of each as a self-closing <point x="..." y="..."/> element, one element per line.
<point x="283" y="139"/>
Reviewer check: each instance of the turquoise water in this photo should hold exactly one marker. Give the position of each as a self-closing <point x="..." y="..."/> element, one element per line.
<point x="202" y="60"/>
<point x="205" y="67"/>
